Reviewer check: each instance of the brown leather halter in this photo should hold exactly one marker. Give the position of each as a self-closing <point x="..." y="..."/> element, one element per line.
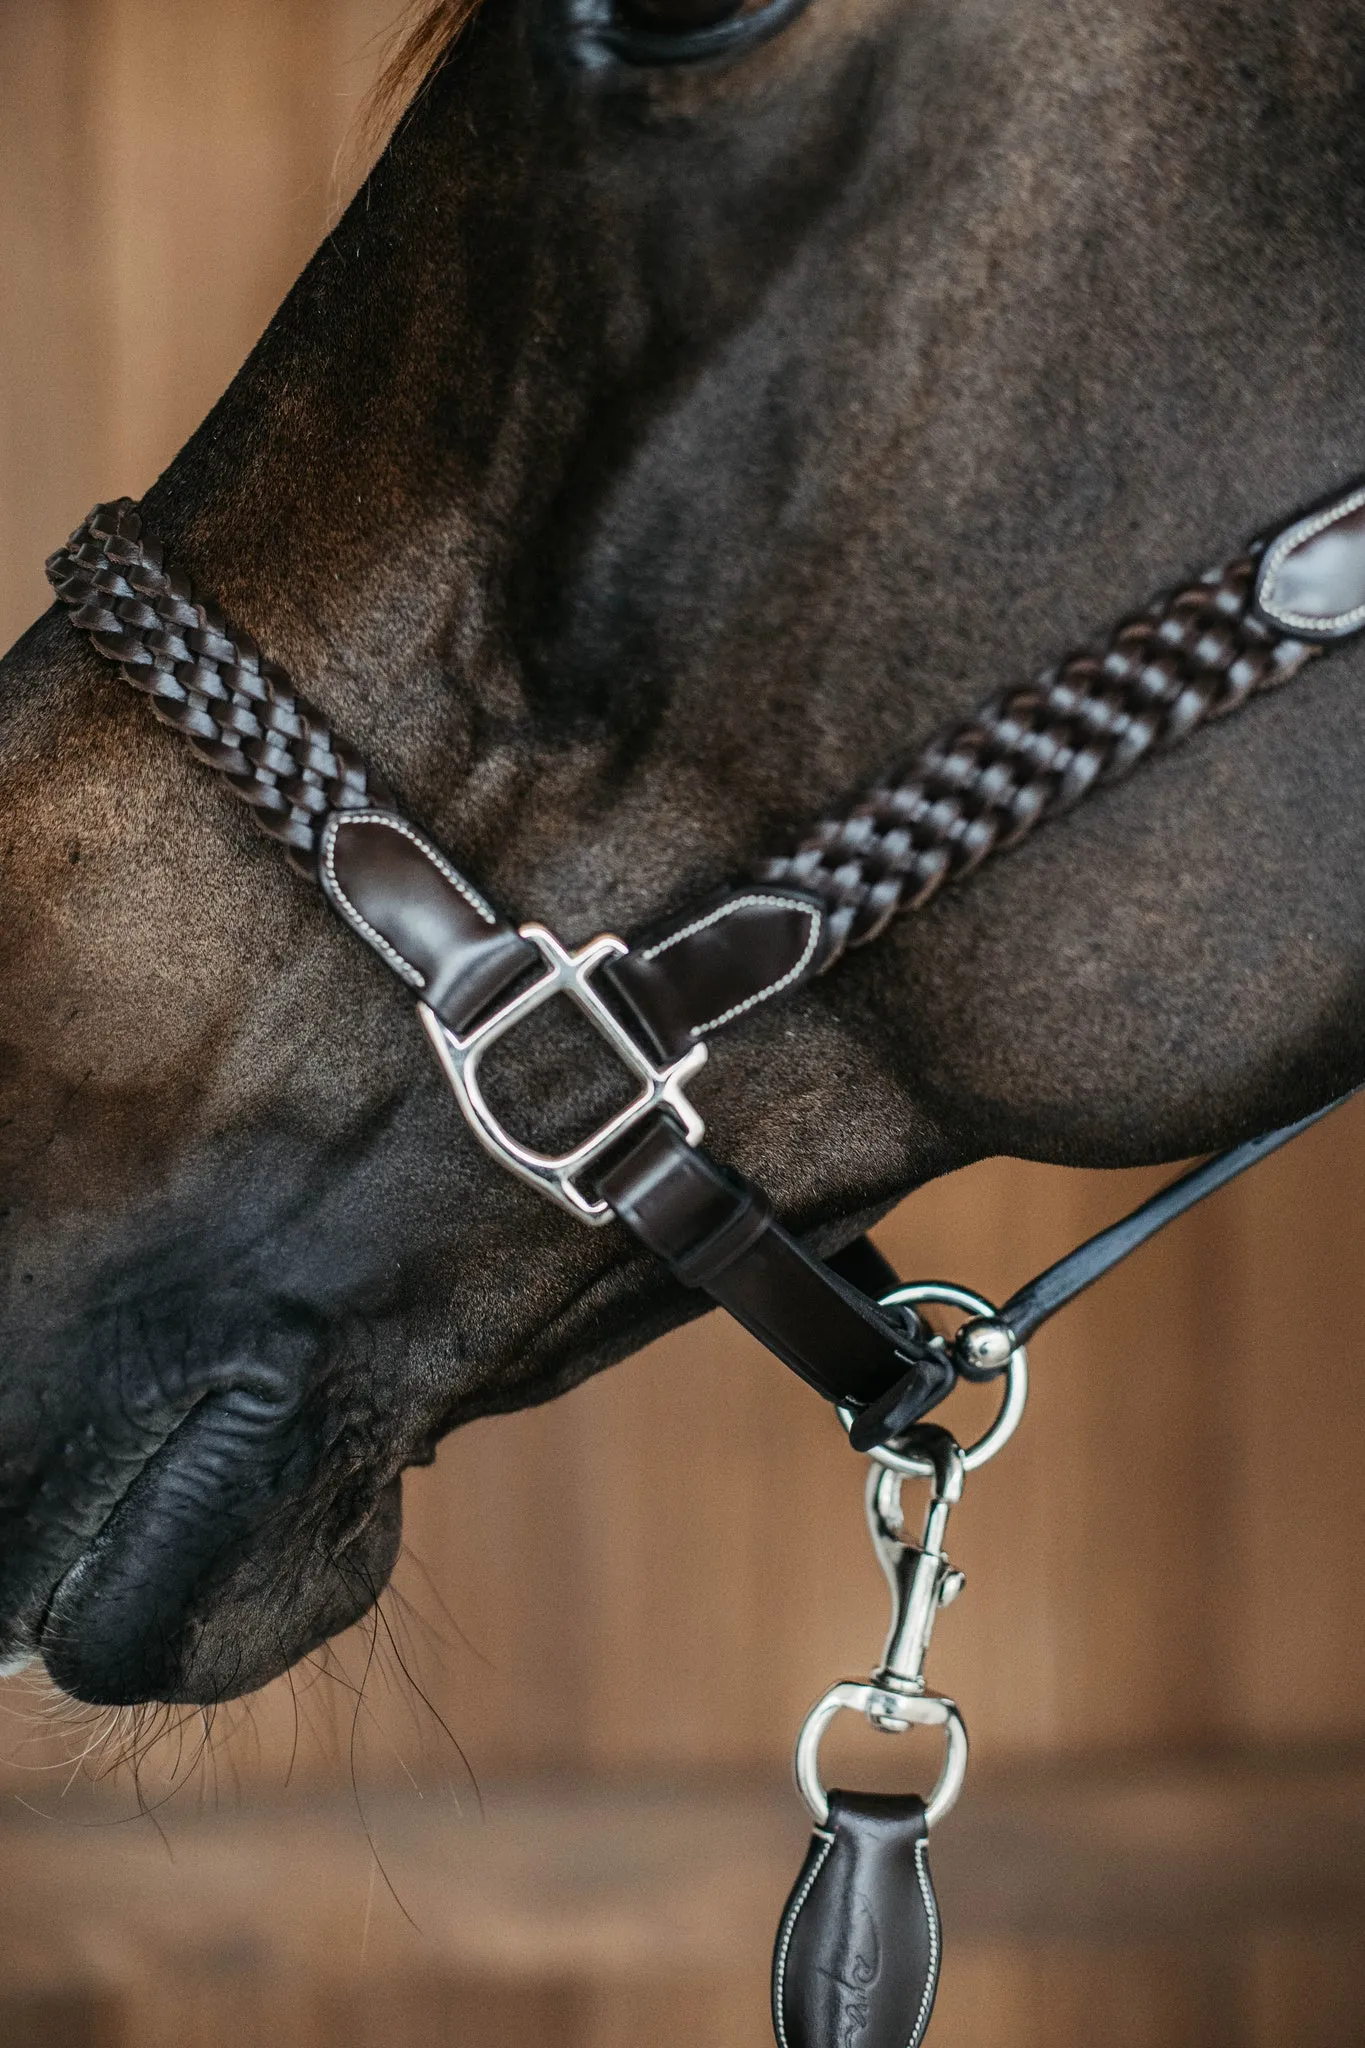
<point x="978" y="788"/>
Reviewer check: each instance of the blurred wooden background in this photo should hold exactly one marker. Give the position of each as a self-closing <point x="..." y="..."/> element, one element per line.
<point x="627" y="1600"/>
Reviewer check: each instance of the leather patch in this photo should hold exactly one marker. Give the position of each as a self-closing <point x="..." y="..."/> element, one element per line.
<point x="1312" y="576"/>
<point x="857" y="1957"/>
<point x="421" y="916"/>
<point x="722" y="962"/>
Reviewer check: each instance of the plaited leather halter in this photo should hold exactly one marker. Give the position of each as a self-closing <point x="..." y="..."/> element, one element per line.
<point x="858" y="1949"/>
<point x="978" y="788"/>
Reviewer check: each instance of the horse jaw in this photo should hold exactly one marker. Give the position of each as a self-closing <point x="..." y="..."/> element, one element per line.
<point x="640" y="462"/>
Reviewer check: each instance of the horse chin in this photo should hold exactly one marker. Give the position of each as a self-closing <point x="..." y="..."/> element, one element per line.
<point x="211" y="1576"/>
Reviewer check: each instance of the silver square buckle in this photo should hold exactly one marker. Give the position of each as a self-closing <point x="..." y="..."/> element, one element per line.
<point x="567" y="974"/>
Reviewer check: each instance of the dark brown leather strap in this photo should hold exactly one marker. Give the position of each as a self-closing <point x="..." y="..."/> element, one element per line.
<point x="983" y="784"/>
<point x="716" y="963"/>
<point x="979" y="787"/>
<point x="718" y="1233"/>
<point x="209" y="681"/>
<point x="425" y="921"/>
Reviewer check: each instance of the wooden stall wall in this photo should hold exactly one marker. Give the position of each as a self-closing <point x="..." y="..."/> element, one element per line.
<point x="648" y="1581"/>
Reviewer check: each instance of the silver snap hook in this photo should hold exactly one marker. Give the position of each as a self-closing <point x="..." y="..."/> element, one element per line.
<point x="918" y="1574"/>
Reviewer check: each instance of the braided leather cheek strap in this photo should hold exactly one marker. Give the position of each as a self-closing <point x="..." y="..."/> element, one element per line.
<point x="981" y="786"/>
<point x="206" y="678"/>
<point x="985" y="783"/>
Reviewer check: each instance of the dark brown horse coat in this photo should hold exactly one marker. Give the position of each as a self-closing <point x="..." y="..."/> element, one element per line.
<point x="651" y="452"/>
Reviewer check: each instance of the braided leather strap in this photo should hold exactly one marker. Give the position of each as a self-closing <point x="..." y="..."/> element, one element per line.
<point x="980" y="787"/>
<point x="209" y="680"/>
<point x="983" y="784"/>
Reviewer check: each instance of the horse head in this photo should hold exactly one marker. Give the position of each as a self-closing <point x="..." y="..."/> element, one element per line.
<point x="698" y="405"/>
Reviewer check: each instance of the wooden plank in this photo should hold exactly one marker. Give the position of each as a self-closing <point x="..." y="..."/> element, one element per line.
<point x="1135" y="1906"/>
<point x="1294" y="1536"/>
<point x="1169" y="1994"/>
<point x="51" y="396"/>
<point x="634" y="1879"/>
<point x="1307" y="1987"/>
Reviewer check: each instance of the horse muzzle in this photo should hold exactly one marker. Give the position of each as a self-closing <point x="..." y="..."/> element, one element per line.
<point x="200" y="1540"/>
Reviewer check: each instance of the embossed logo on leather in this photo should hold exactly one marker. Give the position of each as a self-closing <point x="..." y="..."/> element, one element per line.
<point x="860" y="1967"/>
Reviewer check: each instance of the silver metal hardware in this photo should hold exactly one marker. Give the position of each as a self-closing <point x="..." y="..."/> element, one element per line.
<point x="1013" y="1402"/>
<point x="567" y="974"/>
<point x="927" y="1710"/>
<point x="919" y="1575"/>
<point x="989" y="1344"/>
<point x="921" y="1581"/>
<point x="915" y="1572"/>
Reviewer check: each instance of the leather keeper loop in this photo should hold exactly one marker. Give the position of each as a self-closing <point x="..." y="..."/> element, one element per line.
<point x="706" y="1261"/>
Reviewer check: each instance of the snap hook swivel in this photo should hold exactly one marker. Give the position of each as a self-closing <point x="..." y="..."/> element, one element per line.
<point x="921" y="1580"/>
<point x="919" y="1575"/>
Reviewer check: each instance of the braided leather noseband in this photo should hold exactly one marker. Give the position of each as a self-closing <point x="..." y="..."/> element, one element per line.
<point x="980" y="787"/>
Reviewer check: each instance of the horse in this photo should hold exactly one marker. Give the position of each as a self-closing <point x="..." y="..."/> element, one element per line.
<point x="700" y="403"/>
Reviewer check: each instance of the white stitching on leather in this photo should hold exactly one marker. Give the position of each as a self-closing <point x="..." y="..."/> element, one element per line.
<point x="784" y="1941"/>
<point x="702" y="924"/>
<point x="931" y="1915"/>
<point x="1288" y="544"/>
<point x="410" y="974"/>
<point x="789" y="1929"/>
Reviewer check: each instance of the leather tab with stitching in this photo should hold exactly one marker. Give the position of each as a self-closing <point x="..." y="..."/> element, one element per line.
<point x="421" y="916"/>
<point x="717" y="964"/>
<point x="1312" y="575"/>
<point x="858" y="1950"/>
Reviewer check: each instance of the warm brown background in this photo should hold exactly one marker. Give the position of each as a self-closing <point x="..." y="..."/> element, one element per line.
<point x="643" y="1586"/>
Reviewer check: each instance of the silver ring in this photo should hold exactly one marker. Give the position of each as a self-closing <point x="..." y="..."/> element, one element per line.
<point x="893" y="1712"/>
<point x="947" y="1295"/>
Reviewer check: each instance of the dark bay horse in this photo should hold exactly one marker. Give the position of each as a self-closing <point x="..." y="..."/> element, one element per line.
<point x="697" y="406"/>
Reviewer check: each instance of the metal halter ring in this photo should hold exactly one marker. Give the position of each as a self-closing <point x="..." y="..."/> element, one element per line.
<point x="948" y="1295"/>
<point x="893" y="1712"/>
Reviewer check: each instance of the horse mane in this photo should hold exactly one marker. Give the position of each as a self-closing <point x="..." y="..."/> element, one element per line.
<point x="423" y="35"/>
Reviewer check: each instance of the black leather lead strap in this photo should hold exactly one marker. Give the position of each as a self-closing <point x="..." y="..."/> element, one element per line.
<point x="858" y="1948"/>
<point x="1040" y="1299"/>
